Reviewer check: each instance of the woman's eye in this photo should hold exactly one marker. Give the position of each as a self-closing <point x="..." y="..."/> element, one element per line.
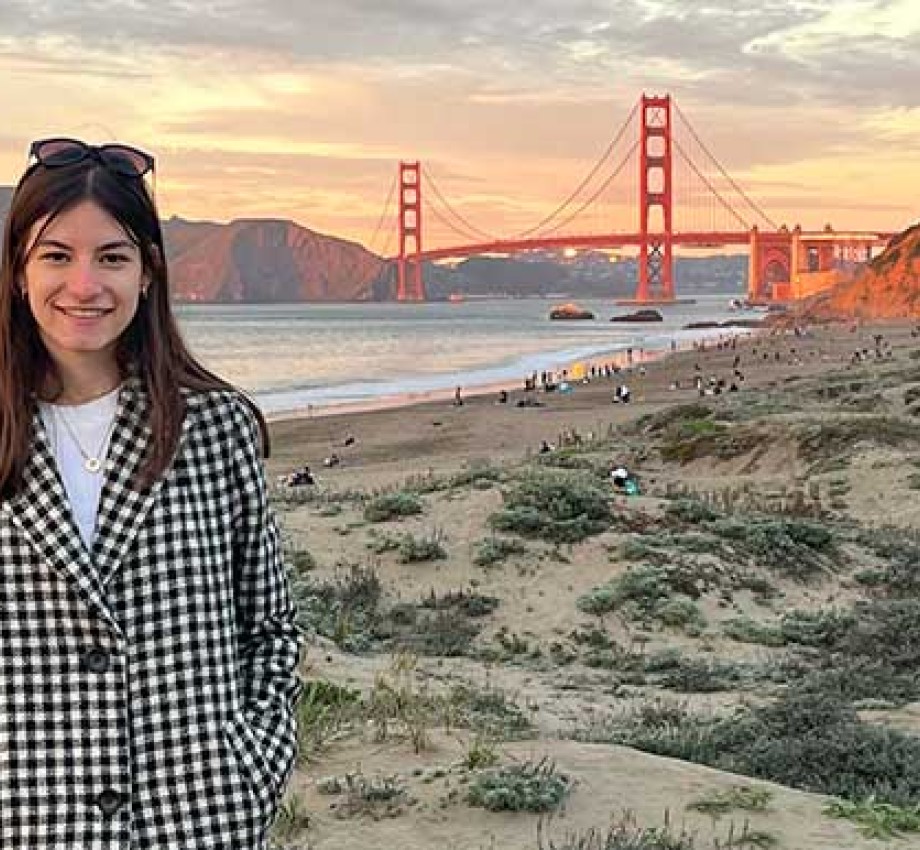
<point x="115" y="259"/>
<point x="54" y="256"/>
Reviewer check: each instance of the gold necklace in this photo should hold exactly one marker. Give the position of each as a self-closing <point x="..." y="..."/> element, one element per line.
<point x="91" y="462"/>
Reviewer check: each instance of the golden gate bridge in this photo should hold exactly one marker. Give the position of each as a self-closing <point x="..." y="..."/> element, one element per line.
<point x="686" y="199"/>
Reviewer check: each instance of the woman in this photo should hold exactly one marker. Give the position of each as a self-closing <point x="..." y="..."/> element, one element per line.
<point x="148" y="651"/>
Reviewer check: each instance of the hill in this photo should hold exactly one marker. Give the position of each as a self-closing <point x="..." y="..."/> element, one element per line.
<point x="266" y="260"/>
<point x="888" y="288"/>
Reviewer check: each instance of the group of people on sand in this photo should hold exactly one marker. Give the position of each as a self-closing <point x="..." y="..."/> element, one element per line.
<point x="303" y="476"/>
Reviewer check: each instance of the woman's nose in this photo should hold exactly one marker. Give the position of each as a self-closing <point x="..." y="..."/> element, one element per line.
<point x="83" y="280"/>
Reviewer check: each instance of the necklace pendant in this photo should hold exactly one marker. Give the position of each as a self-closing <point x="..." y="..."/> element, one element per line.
<point x="92" y="464"/>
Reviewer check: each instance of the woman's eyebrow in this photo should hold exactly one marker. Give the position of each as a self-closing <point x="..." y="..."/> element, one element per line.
<point x="121" y="243"/>
<point x="51" y="243"/>
<point x="108" y="246"/>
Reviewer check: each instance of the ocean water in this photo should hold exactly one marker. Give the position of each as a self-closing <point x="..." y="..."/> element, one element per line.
<point x="296" y="358"/>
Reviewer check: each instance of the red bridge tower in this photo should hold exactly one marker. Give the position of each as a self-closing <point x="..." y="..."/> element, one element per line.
<point x="656" y="261"/>
<point x="410" y="286"/>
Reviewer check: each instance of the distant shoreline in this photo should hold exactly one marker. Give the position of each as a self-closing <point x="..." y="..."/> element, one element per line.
<point x="618" y="357"/>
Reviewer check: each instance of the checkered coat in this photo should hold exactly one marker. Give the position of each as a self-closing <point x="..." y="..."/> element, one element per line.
<point x="147" y="686"/>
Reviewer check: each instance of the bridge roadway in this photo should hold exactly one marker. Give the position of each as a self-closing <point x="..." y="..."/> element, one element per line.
<point x="713" y="239"/>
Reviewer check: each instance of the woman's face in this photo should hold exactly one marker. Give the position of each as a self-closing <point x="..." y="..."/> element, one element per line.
<point x="83" y="277"/>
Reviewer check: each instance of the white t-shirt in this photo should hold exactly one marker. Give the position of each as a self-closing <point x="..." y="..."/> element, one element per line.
<point x="91" y="427"/>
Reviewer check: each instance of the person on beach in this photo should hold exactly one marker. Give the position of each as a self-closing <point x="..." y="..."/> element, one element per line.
<point x="148" y="644"/>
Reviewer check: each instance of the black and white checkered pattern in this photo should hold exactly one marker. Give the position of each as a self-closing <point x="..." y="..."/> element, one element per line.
<point x="147" y="687"/>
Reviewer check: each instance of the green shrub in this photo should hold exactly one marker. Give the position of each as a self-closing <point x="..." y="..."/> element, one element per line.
<point x="323" y="708"/>
<point x="745" y="630"/>
<point x="445" y="633"/>
<point x="344" y="609"/>
<point x="488" y="711"/>
<point x="626" y="834"/>
<point x="477" y="477"/>
<point x="833" y="438"/>
<point x="600" y="600"/>
<point x="805" y="740"/>
<point x="852" y="679"/>
<point x="672" y="416"/>
<point x="681" y="613"/>
<point x="392" y="506"/>
<point x="645" y="591"/>
<point x="414" y="550"/>
<point x="794" y="548"/>
<point x="701" y="676"/>
<point x="467" y="602"/>
<point x="376" y="797"/>
<point x="900" y="548"/>
<point x="691" y="511"/>
<point x="875" y="819"/>
<point x="636" y="549"/>
<point x="816" y="628"/>
<point x="523" y="787"/>
<point x="645" y="586"/>
<point x="302" y="561"/>
<point x="554" y="506"/>
<point x="479" y="755"/>
<point x="293" y="818"/>
<point x="746" y="797"/>
<point x="493" y="550"/>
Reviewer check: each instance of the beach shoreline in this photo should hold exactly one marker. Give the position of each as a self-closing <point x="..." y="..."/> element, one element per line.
<point x="616" y="356"/>
<point x="380" y="446"/>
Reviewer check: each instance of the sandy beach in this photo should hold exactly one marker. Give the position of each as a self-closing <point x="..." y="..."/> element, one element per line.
<point x="450" y="639"/>
<point x="436" y="435"/>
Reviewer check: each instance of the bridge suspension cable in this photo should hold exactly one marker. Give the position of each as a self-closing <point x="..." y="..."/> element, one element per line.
<point x="597" y="193"/>
<point x="597" y="165"/>
<point x="383" y="215"/>
<point x="753" y="205"/>
<point x="715" y="192"/>
<point x="450" y="226"/>
<point x="466" y="228"/>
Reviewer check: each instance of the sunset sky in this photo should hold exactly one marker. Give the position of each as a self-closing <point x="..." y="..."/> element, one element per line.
<point x="302" y="109"/>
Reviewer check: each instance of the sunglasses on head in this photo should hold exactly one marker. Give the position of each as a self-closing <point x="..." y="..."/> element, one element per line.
<point x="122" y="159"/>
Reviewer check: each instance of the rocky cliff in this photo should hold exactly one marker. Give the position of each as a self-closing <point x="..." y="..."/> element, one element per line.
<point x="888" y="288"/>
<point x="266" y="260"/>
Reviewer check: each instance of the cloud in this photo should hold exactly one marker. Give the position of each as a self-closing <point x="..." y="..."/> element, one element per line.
<point x="510" y="104"/>
<point x="813" y="44"/>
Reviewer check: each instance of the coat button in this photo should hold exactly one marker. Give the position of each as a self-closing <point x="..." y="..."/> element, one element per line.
<point x="109" y="801"/>
<point x="96" y="660"/>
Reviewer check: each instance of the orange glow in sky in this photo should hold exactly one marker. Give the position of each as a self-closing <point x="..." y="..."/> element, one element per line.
<point x="303" y="111"/>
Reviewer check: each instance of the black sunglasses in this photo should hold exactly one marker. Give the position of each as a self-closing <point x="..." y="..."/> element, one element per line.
<point x="122" y="159"/>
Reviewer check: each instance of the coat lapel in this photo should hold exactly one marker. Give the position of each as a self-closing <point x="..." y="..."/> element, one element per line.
<point x="42" y="509"/>
<point x="42" y="512"/>
<point x="122" y="508"/>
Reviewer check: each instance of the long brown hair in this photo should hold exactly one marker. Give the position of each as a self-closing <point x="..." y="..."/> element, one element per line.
<point x="151" y="346"/>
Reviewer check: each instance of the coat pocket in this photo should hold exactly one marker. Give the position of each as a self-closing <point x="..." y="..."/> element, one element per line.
<point x="246" y="750"/>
